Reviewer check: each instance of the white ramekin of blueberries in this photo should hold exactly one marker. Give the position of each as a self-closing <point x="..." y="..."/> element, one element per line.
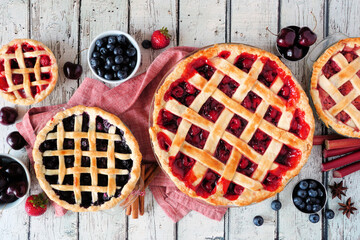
<point x="114" y="56"/>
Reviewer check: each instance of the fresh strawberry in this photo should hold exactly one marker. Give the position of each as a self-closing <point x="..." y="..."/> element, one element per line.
<point x="36" y="205"/>
<point x="160" y="38"/>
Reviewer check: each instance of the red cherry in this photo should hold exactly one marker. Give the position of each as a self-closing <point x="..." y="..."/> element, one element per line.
<point x="244" y="163"/>
<point x="294" y="53"/>
<point x="8" y="115"/>
<point x="306" y="37"/>
<point x="286" y="37"/>
<point x="44" y="61"/>
<point x="72" y="70"/>
<point x="235" y="123"/>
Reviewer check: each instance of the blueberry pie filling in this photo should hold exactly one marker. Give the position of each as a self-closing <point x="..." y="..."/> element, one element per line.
<point x="86" y="159"/>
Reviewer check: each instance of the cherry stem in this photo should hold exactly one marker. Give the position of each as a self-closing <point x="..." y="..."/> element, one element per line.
<point x="267" y="28"/>
<point x="79" y="53"/>
<point x="314" y="20"/>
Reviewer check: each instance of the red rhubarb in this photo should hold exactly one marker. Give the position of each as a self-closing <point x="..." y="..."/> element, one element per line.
<point x="319" y="139"/>
<point x="341" y="161"/>
<point x="346" y="170"/>
<point x="337" y="152"/>
<point x="342" y="143"/>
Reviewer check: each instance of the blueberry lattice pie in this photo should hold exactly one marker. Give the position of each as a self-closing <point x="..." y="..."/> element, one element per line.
<point x="231" y="125"/>
<point x="86" y="159"/>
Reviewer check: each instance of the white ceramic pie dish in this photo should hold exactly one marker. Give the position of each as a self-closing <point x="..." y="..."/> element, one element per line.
<point x="6" y="158"/>
<point x="112" y="33"/>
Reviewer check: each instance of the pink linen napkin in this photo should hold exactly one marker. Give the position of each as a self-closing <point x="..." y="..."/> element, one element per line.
<point x="131" y="102"/>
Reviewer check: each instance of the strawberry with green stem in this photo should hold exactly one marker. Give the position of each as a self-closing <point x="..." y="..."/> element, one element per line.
<point x="36" y="205"/>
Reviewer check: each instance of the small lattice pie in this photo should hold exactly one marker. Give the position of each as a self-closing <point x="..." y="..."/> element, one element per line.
<point x="86" y="159"/>
<point x="231" y="125"/>
<point x="28" y="71"/>
<point x="335" y="87"/>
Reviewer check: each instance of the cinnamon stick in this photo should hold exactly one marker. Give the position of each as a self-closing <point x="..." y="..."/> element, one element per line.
<point x="319" y="139"/>
<point x="151" y="177"/>
<point x="135" y="209"/>
<point x="342" y="143"/>
<point x="340" y="173"/>
<point x="150" y="170"/>
<point x="142" y="197"/>
<point x="128" y="210"/>
<point x="340" y="151"/>
<point x="341" y="161"/>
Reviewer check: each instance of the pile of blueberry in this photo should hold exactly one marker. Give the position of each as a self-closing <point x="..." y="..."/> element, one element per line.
<point x="114" y="57"/>
<point x="13" y="183"/>
<point x="309" y="196"/>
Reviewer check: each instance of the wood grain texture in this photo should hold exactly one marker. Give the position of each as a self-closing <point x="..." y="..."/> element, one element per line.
<point x="97" y="17"/>
<point x="344" y="17"/>
<point x="252" y="31"/>
<point x="146" y="17"/>
<point x="56" y="25"/>
<point x="299" y="13"/>
<point x="200" y="25"/>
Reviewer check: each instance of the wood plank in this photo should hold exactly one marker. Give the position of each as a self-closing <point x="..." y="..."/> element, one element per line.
<point x="344" y="17"/>
<point x="248" y="24"/>
<point x="302" y="227"/>
<point x="197" y="28"/>
<point x="56" y="25"/>
<point x="14" y="18"/>
<point x="97" y="17"/>
<point x="146" y="17"/>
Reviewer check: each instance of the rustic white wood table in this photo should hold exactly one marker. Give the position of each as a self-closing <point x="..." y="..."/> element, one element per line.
<point x="68" y="26"/>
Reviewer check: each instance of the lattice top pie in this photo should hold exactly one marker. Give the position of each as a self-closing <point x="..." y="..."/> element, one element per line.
<point x="28" y="71"/>
<point x="86" y="159"/>
<point x="231" y="125"/>
<point x="335" y="87"/>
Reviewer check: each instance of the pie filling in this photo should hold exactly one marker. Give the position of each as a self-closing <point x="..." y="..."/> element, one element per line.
<point x="330" y="69"/>
<point x="18" y="79"/>
<point x="52" y="162"/>
<point x="181" y="165"/>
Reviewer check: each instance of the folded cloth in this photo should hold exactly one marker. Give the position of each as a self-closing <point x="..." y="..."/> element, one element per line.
<point x="131" y="102"/>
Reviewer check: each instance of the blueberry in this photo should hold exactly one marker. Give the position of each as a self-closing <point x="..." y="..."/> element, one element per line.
<point x="110" y="61"/>
<point x="112" y="39"/>
<point x="302" y="193"/>
<point x="96" y="54"/>
<point x="314" y="218"/>
<point x="329" y="214"/>
<point x="131" y="51"/>
<point x="320" y="192"/>
<point x="125" y="68"/>
<point x="115" y="68"/>
<point x="121" y="39"/>
<point x="309" y="208"/>
<point x="102" y="58"/>
<point x="110" y="47"/>
<point x="276" y="205"/>
<point x="104" y="51"/>
<point x="126" y="60"/>
<point x="312" y="184"/>
<point x="146" y="44"/>
<point x="258" y="220"/>
<point x="107" y="67"/>
<point x="297" y="201"/>
<point x="122" y="74"/>
<point x="94" y="62"/>
<point x="132" y="64"/>
<point x="115" y="76"/>
<point x="316" y="208"/>
<point x="119" y="59"/>
<point x="118" y="50"/>
<point x="312" y="193"/>
<point x="108" y="76"/>
<point x="303" y="185"/>
<point x="100" y="72"/>
<point x="100" y="42"/>
<point x="302" y="206"/>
